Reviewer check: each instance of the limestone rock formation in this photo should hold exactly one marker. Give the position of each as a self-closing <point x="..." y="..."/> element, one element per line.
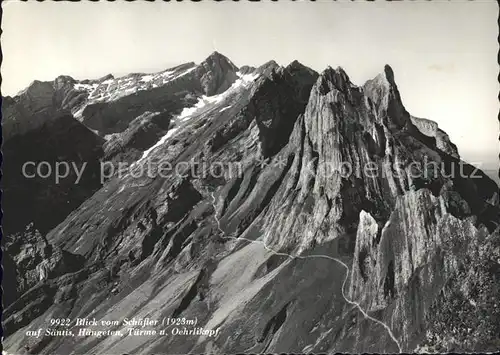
<point x="291" y="211"/>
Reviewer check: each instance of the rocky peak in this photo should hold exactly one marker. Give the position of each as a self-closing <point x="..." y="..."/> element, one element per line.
<point x="384" y="93"/>
<point x="39" y="91"/>
<point x="30" y="108"/>
<point x="220" y="59"/>
<point x="296" y="65"/>
<point x="63" y="80"/>
<point x="302" y="75"/>
<point x="332" y="103"/>
<point x="247" y="69"/>
<point x="216" y="74"/>
<point x="39" y="103"/>
<point x="267" y="68"/>
<point x="278" y="101"/>
<point x="389" y="74"/>
<point x="106" y="77"/>
<point x="334" y="79"/>
<point x="384" y="79"/>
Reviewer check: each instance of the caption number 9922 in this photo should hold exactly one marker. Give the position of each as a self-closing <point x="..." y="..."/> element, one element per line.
<point x="64" y="322"/>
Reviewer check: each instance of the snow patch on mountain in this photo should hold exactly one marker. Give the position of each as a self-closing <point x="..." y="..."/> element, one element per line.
<point x="147" y="78"/>
<point x="85" y="87"/>
<point x="247" y="77"/>
<point x="116" y="88"/>
<point x="163" y="139"/>
<point x="204" y="102"/>
<point x="188" y="112"/>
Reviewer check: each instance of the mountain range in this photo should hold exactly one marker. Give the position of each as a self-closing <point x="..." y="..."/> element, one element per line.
<point x="237" y="204"/>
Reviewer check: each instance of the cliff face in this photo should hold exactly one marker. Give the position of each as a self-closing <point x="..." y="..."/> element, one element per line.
<point x="31" y="260"/>
<point x="400" y="269"/>
<point x="431" y="129"/>
<point x="302" y="222"/>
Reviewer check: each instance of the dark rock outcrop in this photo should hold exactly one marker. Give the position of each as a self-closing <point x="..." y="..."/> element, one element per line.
<point x="143" y="132"/>
<point x="31" y="191"/>
<point x="40" y="102"/>
<point x="33" y="260"/>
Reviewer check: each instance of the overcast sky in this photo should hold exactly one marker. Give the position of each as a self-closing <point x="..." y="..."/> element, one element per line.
<point x="444" y="54"/>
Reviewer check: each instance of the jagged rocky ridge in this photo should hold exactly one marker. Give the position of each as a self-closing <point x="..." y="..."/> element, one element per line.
<point x="291" y="255"/>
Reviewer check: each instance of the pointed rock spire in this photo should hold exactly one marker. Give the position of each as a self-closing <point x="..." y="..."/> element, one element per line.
<point x="384" y="93"/>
